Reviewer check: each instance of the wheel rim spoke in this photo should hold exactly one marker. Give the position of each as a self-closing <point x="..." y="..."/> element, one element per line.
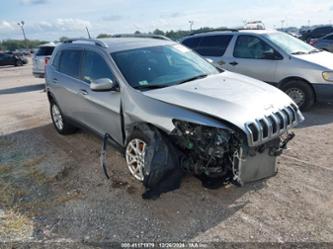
<point x="135" y="158"/>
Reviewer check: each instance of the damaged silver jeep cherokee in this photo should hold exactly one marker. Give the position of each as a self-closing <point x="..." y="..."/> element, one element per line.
<point x="170" y="110"/>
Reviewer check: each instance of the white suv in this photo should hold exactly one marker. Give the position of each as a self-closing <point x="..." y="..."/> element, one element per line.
<point x="41" y="58"/>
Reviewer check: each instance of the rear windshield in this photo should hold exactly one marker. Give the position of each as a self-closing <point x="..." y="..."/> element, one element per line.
<point x="45" y="51"/>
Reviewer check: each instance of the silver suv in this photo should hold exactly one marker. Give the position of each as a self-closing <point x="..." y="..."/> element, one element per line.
<point x="41" y="58"/>
<point x="304" y="72"/>
<point x="169" y="110"/>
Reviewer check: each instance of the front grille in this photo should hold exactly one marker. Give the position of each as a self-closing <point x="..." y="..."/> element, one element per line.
<point x="263" y="129"/>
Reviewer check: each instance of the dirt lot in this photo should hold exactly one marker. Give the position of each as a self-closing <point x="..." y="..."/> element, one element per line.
<point x="52" y="187"/>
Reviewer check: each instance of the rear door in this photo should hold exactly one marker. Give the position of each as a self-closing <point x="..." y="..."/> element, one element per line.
<point x="65" y="81"/>
<point x="249" y="57"/>
<point x="214" y="47"/>
<point x="101" y="108"/>
<point x="210" y="46"/>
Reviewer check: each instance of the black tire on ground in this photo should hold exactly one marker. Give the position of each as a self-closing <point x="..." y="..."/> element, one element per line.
<point x="64" y="129"/>
<point x="300" y="88"/>
<point x="18" y="63"/>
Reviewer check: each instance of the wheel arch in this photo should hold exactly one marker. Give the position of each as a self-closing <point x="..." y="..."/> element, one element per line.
<point x="283" y="82"/>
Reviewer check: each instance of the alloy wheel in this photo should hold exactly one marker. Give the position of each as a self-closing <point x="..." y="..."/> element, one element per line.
<point x="135" y="154"/>
<point x="57" y="117"/>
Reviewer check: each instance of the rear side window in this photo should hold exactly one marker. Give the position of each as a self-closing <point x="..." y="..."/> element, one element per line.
<point x="329" y="38"/>
<point x="95" y="67"/>
<point x="214" y="45"/>
<point x="319" y="32"/>
<point x="70" y="62"/>
<point x="44" y="51"/>
<point x="56" y="60"/>
<point x="192" y="42"/>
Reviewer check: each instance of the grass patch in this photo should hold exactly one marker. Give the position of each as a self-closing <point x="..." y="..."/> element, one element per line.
<point x="14" y="225"/>
<point x="9" y="193"/>
<point x="4" y="169"/>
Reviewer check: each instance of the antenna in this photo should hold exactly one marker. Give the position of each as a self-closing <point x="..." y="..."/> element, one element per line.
<point x="88" y="32"/>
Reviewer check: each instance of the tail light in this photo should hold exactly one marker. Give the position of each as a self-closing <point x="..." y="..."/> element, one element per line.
<point x="46" y="60"/>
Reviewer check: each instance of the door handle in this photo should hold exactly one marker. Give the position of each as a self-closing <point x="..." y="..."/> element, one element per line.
<point x="55" y="80"/>
<point x="83" y="92"/>
<point x="234" y="63"/>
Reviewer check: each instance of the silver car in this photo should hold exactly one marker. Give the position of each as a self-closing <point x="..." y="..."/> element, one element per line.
<point x="302" y="71"/>
<point x="41" y="58"/>
<point x="169" y="110"/>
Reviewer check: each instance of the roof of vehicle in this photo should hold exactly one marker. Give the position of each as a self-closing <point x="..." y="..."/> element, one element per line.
<point x="116" y="44"/>
<point x="242" y="31"/>
<point x="50" y="44"/>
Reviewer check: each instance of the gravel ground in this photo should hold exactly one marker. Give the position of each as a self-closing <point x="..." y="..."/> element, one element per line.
<point x="52" y="187"/>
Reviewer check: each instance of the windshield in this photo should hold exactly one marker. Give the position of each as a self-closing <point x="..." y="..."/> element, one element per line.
<point x="44" y="51"/>
<point x="290" y="44"/>
<point x="162" y="66"/>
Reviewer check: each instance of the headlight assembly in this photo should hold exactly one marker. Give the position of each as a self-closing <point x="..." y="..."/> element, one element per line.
<point x="328" y="76"/>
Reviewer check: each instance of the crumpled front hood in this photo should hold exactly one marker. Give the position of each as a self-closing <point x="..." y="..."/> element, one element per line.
<point x="232" y="97"/>
<point x="324" y="59"/>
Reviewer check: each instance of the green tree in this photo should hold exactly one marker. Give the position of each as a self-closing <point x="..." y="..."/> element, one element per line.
<point x="103" y="35"/>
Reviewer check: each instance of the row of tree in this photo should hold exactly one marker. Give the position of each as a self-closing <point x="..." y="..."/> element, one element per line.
<point x="174" y="35"/>
<point x="12" y="45"/>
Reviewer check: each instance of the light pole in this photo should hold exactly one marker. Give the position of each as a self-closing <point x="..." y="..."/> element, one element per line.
<point x="21" y="24"/>
<point x="191" y="25"/>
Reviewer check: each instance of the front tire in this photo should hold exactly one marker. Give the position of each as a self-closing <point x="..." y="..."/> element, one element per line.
<point x="301" y="93"/>
<point x="60" y="123"/>
<point x="135" y="154"/>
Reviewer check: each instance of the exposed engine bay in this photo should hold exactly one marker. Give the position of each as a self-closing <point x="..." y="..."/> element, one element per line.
<point x="222" y="153"/>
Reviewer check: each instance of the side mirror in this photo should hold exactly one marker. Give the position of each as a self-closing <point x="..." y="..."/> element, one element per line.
<point x="103" y="84"/>
<point x="271" y="55"/>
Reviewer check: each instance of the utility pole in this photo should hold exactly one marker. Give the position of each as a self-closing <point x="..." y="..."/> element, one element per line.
<point x="21" y="24"/>
<point x="191" y="25"/>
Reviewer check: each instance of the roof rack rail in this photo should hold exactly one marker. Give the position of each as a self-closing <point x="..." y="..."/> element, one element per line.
<point x="214" y="30"/>
<point x="85" y="40"/>
<point x="160" y="37"/>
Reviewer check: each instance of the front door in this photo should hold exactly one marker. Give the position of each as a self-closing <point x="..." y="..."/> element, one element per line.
<point x="253" y="57"/>
<point x="100" y="110"/>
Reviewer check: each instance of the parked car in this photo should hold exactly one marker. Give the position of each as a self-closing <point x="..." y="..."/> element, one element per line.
<point x="169" y="110"/>
<point x="325" y="43"/>
<point x="302" y="71"/>
<point x="312" y="35"/>
<point x="41" y="58"/>
<point x="11" y="59"/>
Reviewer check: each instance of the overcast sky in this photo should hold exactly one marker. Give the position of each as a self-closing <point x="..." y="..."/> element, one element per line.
<point x="51" y="19"/>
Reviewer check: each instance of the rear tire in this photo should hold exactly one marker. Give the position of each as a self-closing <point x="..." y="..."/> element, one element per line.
<point x="301" y="92"/>
<point x="62" y="126"/>
<point x="18" y="63"/>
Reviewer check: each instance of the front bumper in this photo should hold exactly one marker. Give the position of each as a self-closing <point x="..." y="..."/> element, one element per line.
<point x="253" y="164"/>
<point x="324" y="92"/>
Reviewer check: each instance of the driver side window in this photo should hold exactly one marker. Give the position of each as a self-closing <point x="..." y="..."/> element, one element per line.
<point x="251" y="47"/>
<point x="94" y="67"/>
